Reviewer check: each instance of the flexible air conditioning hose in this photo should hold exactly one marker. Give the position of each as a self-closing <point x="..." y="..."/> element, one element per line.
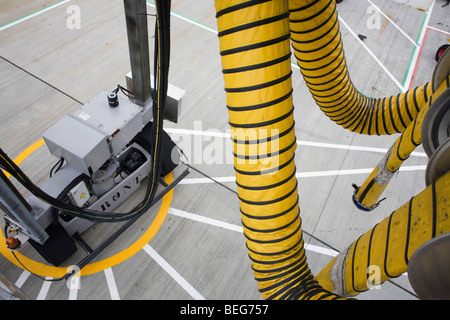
<point x="317" y="44"/>
<point x="316" y="40"/>
<point x="254" y="47"/>
<point x="387" y="248"/>
<point x="255" y="54"/>
<point x="366" y="197"/>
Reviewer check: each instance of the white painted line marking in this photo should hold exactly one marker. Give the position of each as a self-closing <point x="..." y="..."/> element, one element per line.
<point x="352" y="148"/>
<point x="13" y="23"/>
<point x="206" y="180"/>
<point x="173" y="273"/>
<point x="351" y="172"/>
<point x="23" y="277"/>
<point x="413" y="168"/>
<point x="325" y="251"/>
<point x="311" y="174"/>
<point x="439" y="30"/>
<point x="299" y="142"/>
<point x="213" y="222"/>
<point x="211" y="133"/>
<point x="236" y="228"/>
<point x="329" y="173"/>
<point x="393" y="23"/>
<point x="111" y="284"/>
<point x="44" y="289"/>
<point x="372" y="55"/>
<point x="74" y="287"/>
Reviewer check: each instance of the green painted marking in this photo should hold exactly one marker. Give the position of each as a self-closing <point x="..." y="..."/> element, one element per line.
<point x="30" y="14"/>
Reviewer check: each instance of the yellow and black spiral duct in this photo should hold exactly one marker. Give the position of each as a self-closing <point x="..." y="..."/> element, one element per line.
<point x="317" y="44"/>
<point x="385" y="250"/>
<point x="255" y="53"/>
<point x="255" y="49"/>
<point x="318" y="48"/>
<point x="366" y="197"/>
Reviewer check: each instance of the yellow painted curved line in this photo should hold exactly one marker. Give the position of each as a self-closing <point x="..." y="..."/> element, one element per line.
<point x="45" y="270"/>
<point x="26" y="153"/>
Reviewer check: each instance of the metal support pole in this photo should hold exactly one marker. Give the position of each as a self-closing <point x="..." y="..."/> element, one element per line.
<point x="19" y="211"/>
<point x="137" y="30"/>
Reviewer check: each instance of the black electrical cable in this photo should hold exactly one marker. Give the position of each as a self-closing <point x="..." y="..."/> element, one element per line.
<point x="162" y="57"/>
<point x="65" y="277"/>
<point x="202" y="173"/>
<point x="5" y="231"/>
<point x="42" y="80"/>
<point x="125" y="91"/>
<point x="57" y="166"/>
<point x="17" y="173"/>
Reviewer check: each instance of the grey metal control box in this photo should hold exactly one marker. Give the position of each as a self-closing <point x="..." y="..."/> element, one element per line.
<point x="90" y="136"/>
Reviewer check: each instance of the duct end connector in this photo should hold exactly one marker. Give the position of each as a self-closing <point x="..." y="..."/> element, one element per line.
<point x="366" y="197"/>
<point x="359" y="205"/>
<point x="337" y="274"/>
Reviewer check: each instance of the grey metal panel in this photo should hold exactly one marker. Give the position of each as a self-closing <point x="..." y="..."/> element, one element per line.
<point x="88" y="137"/>
<point x="113" y="198"/>
<point x="80" y="145"/>
<point x="428" y="269"/>
<point x="119" y="124"/>
<point x="53" y="187"/>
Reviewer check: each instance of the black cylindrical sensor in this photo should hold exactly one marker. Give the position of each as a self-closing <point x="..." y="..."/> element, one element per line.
<point x="113" y="101"/>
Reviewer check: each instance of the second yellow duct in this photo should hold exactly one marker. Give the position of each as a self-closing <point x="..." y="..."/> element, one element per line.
<point x="316" y="40"/>
<point x="366" y="197"/>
